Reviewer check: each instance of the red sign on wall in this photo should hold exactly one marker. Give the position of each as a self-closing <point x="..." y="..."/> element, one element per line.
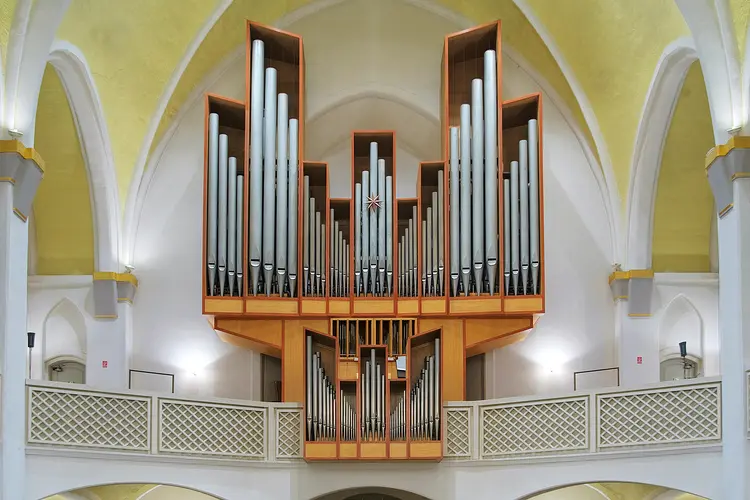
<point x="638" y="360"/>
<point x="104" y="364"/>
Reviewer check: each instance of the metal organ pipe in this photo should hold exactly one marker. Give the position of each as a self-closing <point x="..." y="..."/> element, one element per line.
<point x="365" y="244"/>
<point x="357" y="235"/>
<point x="490" y="166"/>
<point x="240" y="228"/>
<point x="381" y="226"/>
<point x="428" y="252"/>
<point x="534" y="202"/>
<point x="305" y="234"/>
<point x="281" y="190"/>
<point x="441" y="232"/>
<point x="256" y="162"/>
<point x="477" y="178"/>
<point x="414" y="244"/>
<point x="320" y="398"/>
<point x="293" y="199"/>
<point x="465" y="198"/>
<point x="506" y="234"/>
<point x="435" y="244"/>
<point x="269" y="177"/>
<point x="231" y="222"/>
<point x="425" y="399"/>
<point x="514" y="223"/>
<point x="213" y="195"/>
<point x="454" y="210"/>
<point x="373" y="216"/>
<point x="524" y="200"/>
<point x="388" y="232"/>
<point x="222" y="211"/>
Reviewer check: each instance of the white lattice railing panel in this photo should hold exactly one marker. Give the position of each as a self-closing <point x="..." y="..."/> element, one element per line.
<point x="288" y="433"/>
<point x="192" y="428"/>
<point x="675" y="415"/>
<point x="61" y="417"/>
<point x="552" y="426"/>
<point x="458" y="432"/>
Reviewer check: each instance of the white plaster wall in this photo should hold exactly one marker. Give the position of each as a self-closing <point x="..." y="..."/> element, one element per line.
<point x="395" y="87"/>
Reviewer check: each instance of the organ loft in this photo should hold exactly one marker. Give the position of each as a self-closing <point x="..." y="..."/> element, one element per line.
<point x="373" y="303"/>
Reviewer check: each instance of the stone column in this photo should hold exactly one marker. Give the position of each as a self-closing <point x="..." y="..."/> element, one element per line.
<point x="728" y="169"/>
<point x="109" y="346"/>
<point x="21" y="170"/>
<point x="637" y="342"/>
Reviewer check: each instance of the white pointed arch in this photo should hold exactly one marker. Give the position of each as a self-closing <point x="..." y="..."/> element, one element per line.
<point x="711" y="25"/>
<point x="84" y="102"/>
<point x="64" y="332"/>
<point x="681" y="321"/>
<point x="651" y="136"/>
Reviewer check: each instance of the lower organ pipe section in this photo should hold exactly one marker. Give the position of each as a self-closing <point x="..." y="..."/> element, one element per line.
<point x="373" y="400"/>
<point x="320" y="398"/>
<point x="473" y="188"/>
<point x="397" y="417"/>
<point x="373" y="273"/>
<point x="424" y="399"/>
<point x="521" y="218"/>
<point x="274" y="162"/>
<point x="225" y="216"/>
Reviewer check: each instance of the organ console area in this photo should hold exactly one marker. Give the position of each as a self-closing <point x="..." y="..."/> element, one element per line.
<point x="374" y="304"/>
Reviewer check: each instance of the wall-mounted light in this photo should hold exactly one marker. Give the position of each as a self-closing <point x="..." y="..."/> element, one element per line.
<point x="30" y="336"/>
<point x="129" y="268"/>
<point x="734" y="131"/>
<point x="687" y="366"/>
<point x="15" y="133"/>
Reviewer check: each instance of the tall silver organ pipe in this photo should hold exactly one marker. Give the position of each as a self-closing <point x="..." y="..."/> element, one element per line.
<point x="477" y="177"/>
<point x="373" y="399"/>
<point x="455" y="209"/>
<point x="524" y="216"/>
<point x="305" y="234"/>
<point x="373" y="216"/>
<point x="428" y="251"/>
<point x="381" y="225"/>
<point x="293" y="210"/>
<point x="506" y="234"/>
<point x="374" y="243"/>
<point x="365" y="243"/>
<point x="212" y="202"/>
<point x="490" y="166"/>
<point x="269" y="178"/>
<point x="231" y="222"/>
<point x="357" y="236"/>
<point x="320" y="398"/>
<point x="534" y="203"/>
<point x="514" y="227"/>
<point x="414" y="244"/>
<point x="240" y="228"/>
<point x="473" y="188"/>
<point x="465" y="229"/>
<point x="322" y="261"/>
<point x="425" y="400"/>
<point x="441" y="232"/>
<point x="388" y="233"/>
<point x="223" y="145"/>
<point x="257" y="94"/>
<point x="434" y="244"/>
<point x="281" y="191"/>
<point x="523" y="187"/>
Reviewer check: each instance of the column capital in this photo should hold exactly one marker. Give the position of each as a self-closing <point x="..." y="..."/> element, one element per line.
<point x="634" y="286"/>
<point x="111" y="288"/>
<point x="23" y="168"/>
<point x="726" y="163"/>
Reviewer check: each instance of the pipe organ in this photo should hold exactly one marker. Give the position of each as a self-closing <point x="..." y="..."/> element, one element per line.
<point x="373" y="302"/>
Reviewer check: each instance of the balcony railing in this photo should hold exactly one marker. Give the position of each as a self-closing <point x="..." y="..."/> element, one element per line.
<point x="669" y="415"/>
<point x="61" y="415"/>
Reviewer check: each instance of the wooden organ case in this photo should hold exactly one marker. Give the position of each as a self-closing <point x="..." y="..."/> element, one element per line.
<point x="373" y="303"/>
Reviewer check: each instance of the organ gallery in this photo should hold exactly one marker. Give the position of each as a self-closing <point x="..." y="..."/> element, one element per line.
<point x="373" y="302"/>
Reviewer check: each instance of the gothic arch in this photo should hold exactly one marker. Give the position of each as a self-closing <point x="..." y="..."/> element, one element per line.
<point x="681" y="321"/>
<point x="64" y="332"/>
<point x="653" y="128"/>
<point x="83" y="98"/>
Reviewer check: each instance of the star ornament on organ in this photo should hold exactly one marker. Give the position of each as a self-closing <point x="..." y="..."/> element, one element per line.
<point x="373" y="202"/>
